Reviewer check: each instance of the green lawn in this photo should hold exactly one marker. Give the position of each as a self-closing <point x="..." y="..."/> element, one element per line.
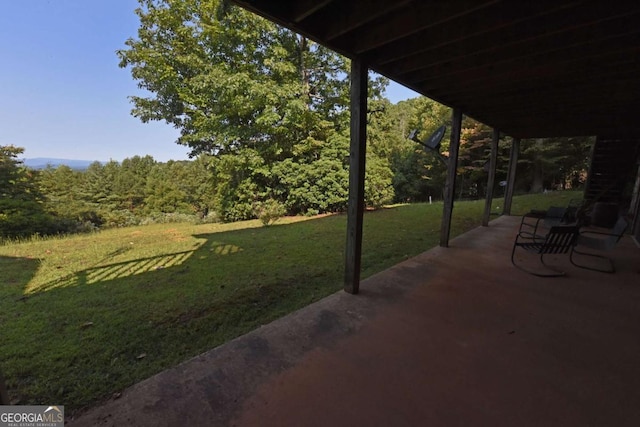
<point x="84" y="317"/>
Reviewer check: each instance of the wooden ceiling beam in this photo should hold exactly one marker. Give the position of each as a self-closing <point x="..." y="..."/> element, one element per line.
<point x="345" y="17"/>
<point x="302" y="9"/>
<point x="518" y="40"/>
<point x="411" y="20"/>
<point x="560" y="108"/>
<point x="560" y="111"/>
<point x="533" y="72"/>
<point x="550" y="126"/>
<point x="625" y="71"/>
<point x="514" y="65"/>
<point x="496" y="18"/>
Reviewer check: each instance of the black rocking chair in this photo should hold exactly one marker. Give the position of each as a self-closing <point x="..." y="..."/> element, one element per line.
<point x="559" y="240"/>
<point x="599" y="241"/>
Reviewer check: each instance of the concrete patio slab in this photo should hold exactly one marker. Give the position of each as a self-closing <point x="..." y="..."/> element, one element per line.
<point x="456" y="336"/>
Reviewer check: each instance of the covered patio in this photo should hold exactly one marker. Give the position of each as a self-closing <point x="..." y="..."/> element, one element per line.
<point x="528" y="70"/>
<point x="455" y="336"/>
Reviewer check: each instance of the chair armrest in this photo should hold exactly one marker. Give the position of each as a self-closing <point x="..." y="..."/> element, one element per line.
<point x="525" y="227"/>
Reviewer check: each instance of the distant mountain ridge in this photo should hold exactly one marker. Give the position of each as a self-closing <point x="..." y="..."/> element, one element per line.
<point x="43" y="162"/>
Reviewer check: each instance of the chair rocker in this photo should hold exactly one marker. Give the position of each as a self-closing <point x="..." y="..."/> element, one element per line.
<point x="599" y="241"/>
<point x="559" y="240"/>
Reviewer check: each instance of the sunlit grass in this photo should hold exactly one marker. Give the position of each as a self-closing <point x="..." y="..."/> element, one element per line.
<point x="78" y="313"/>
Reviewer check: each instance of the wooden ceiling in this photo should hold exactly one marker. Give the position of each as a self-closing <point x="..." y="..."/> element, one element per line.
<point x="529" y="68"/>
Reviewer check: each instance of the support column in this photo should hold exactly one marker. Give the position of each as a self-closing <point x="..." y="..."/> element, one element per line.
<point x="355" y="209"/>
<point x="511" y="180"/>
<point x="493" y="160"/>
<point x="450" y="183"/>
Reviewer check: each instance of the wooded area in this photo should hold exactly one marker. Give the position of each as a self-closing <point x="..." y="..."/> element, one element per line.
<point x="265" y="114"/>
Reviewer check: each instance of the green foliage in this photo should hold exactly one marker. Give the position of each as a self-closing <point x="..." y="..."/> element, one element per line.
<point x="265" y="113"/>
<point x="20" y="218"/>
<point x="378" y="185"/>
<point x="130" y="183"/>
<point x="164" y="189"/>
<point x="321" y="186"/>
<point x="269" y="211"/>
<point x="138" y="190"/>
<point x="228" y="78"/>
<point x="235" y="189"/>
<point x="553" y="163"/>
<point x="22" y="210"/>
<point x="268" y="106"/>
<point x="417" y="174"/>
<point x="61" y="186"/>
<point x="16" y="181"/>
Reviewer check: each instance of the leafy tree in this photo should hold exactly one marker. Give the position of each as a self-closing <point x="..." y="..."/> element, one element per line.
<point x="378" y="185"/>
<point x="553" y="163"/>
<point x="197" y="183"/>
<point x="417" y="174"/>
<point x="130" y="182"/>
<point x="229" y="79"/>
<point x="97" y="187"/>
<point x="21" y="203"/>
<point x="266" y="104"/>
<point x="60" y="187"/>
<point x="164" y="193"/>
<point x="16" y="181"/>
<point x="58" y="184"/>
<point x="317" y="186"/>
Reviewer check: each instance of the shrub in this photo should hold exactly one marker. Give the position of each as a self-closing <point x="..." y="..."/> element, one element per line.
<point x="211" y="217"/>
<point x="119" y="218"/>
<point x="269" y="211"/>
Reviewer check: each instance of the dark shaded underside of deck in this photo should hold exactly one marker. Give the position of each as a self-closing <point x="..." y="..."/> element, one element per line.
<point x="455" y="336"/>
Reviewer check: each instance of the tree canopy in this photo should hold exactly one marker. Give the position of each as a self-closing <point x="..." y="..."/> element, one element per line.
<point x="21" y="202"/>
<point x="267" y="105"/>
<point x="265" y="114"/>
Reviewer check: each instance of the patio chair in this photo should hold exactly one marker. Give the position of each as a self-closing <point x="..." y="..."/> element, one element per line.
<point x="599" y="241"/>
<point x="573" y="214"/>
<point x="529" y="224"/>
<point x="532" y="221"/>
<point x="559" y="240"/>
<point x="555" y="215"/>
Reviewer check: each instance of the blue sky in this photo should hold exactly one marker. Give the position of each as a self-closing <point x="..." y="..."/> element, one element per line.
<point x="62" y="94"/>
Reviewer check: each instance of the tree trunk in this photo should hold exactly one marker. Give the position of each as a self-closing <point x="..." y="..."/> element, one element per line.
<point x="304" y="72"/>
<point x="538" y="171"/>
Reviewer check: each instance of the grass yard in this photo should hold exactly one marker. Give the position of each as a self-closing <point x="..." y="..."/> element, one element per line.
<point x="84" y="317"/>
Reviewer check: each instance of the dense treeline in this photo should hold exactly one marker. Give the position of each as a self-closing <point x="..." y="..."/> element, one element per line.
<point x="265" y="114"/>
<point x="271" y="109"/>
<point x="141" y="190"/>
<point x="136" y="191"/>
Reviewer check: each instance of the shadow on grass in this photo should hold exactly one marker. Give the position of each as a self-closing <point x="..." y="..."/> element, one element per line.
<point x="114" y="271"/>
<point x="82" y="338"/>
<point x="79" y="339"/>
<point x="16" y="273"/>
